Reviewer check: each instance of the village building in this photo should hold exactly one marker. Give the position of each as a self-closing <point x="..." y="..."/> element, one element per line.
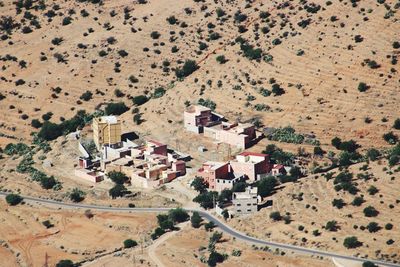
<point x="149" y="164"/>
<point x="199" y="119"/>
<point x="278" y="169"/>
<point x="246" y="202"/>
<point x="224" y="175"/>
<point x="106" y="131"/>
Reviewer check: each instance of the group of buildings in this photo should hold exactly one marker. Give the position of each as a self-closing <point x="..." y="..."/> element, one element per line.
<point x="201" y="120"/>
<point x="151" y="164"/>
<point x="147" y="165"/>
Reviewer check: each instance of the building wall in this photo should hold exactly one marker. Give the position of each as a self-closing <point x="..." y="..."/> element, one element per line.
<point x="231" y="138"/>
<point x="91" y="177"/>
<point x="221" y="184"/>
<point x="245" y="206"/>
<point x="210" y="176"/>
<point x="105" y="133"/>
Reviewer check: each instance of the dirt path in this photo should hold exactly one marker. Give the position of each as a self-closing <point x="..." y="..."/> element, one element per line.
<point x="151" y="250"/>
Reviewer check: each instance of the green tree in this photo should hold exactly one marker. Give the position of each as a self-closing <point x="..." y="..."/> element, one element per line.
<point x="275" y="215"/>
<point x="65" y="263"/>
<point x="216" y="237"/>
<point x="178" y="215"/>
<point x="129" y="243"/>
<point x="373" y="227"/>
<point x="118" y="177"/>
<point x="370" y="212"/>
<point x="118" y="190"/>
<point x="266" y="186"/>
<point x="331" y="226"/>
<point x="351" y="242"/>
<point x="396" y="124"/>
<point x="214" y="258"/>
<point x="140" y="100"/>
<point x="336" y="142"/>
<point x="357" y="201"/>
<point x="50" y="131"/>
<point x="77" y="195"/>
<point x="373" y="154"/>
<point x="188" y="68"/>
<point x="48" y="182"/>
<point x="206" y="199"/>
<point x="196" y="220"/>
<point x="338" y="203"/>
<point x="369" y="264"/>
<point x="209" y="226"/>
<point x="13" y="199"/>
<point x="199" y="184"/>
<point x="116" y="108"/>
<point x="372" y="190"/>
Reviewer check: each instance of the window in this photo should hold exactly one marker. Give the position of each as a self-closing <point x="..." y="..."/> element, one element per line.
<point x="239" y="211"/>
<point x="248" y="210"/>
<point x="248" y="204"/>
<point x="238" y="204"/>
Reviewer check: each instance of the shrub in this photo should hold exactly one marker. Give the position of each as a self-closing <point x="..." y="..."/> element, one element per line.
<point x="13" y="199"/>
<point x="221" y="59"/>
<point x="48" y="182"/>
<point x="66" y="21"/>
<point x="388" y="226"/>
<point x="390" y="137"/>
<point x="36" y="123"/>
<point x="118" y="177"/>
<point x="116" y="108"/>
<point x="122" y="53"/>
<point x="172" y="20"/>
<point x="139" y="100"/>
<point x="86" y="96"/>
<point x="373" y="227"/>
<point x="155" y="35"/>
<point x="372" y="190"/>
<point x="331" y="226"/>
<point x="357" y="201"/>
<point x="118" y="190"/>
<point x="196" y="220"/>
<point x="396" y="124"/>
<point x="129" y="243"/>
<point x="275" y="215"/>
<point x="338" y="203"/>
<point x="188" y="68"/>
<point x="47" y="224"/>
<point x="207" y="103"/>
<point x="178" y="215"/>
<point x="199" y="184"/>
<point x="369" y="264"/>
<point x="57" y="40"/>
<point x="209" y="226"/>
<point x="362" y="87"/>
<point x="370" y="212"/>
<point x="351" y="242"/>
<point x="77" y="195"/>
<point x="373" y="154"/>
<point x="396" y="45"/>
<point x="65" y="263"/>
<point x="159" y="92"/>
<point x="266" y="186"/>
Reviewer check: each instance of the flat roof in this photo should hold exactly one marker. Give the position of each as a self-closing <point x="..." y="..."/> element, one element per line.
<point x="108" y="119"/>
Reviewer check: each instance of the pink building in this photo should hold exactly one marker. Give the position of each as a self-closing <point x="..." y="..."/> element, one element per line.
<point x="211" y="171"/>
<point x="220" y="175"/>
<point x="252" y="165"/>
<point x="200" y="119"/>
<point x="278" y="169"/>
<point x="196" y="117"/>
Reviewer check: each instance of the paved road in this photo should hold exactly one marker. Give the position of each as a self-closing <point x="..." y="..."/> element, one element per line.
<point x="225" y="228"/>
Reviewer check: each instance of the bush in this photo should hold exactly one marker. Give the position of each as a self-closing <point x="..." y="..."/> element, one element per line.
<point x="129" y="243"/>
<point x="209" y="226"/>
<point x="266" y="186"/>
<point x="373" y="154"/>
<point x="388" y="226"/>
<point x="396" y="45"/>
<point x="66" y="21"/>
<point x="116" y="108"/>
<point x="139" y="100"/>
<point x="206" y="199"/>
<point x="370" y="212"/>
<point x="47" y="224"/>
<point x="36" y="123"/>
<point x="396" y="124"/>
<point x="155" y="35"/>
<point x="159" y="92"/>
<point x="357" y="201"/>
<point x="178" y="215"/>
<point x="362" y="87"/>
<point x="221" y="59"/>
<point x="118" y="190"/>
<point x="188" y="68"/>
<point x="13" y="199"/>
<point x="199" y="184"/>
<point x="118" y="177"/>
<point x="369" y="264"/>
<point x="207" y="103"/>
<point x="373" y="227"/>
<point x="48" y="182"/>
<point x="372" y="190"/>
<point x="331" y="226"/>
<point x="77" y="195"/>
<point x="275" y="215"/>
<point x="196" y="220"/>
<point x="338" y="203"/>
<point x="351" y="242"/>
<point x="390" y="137"/>
<point x="65" y="263"/>
<point x="86" y="96"/>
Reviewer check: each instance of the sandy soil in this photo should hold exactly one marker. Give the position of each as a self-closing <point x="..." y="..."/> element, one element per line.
<point x="327" y="103"/>
<point x="318" y="194"/>
<point x="26" y="241"/>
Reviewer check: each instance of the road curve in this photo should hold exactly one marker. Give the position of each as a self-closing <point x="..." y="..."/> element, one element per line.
<point x="225" y="228"/>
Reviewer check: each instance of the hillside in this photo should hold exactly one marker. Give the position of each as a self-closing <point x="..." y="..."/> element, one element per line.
<point x="315" y="51"/>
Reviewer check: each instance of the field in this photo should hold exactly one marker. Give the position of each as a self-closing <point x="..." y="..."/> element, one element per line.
<point x="309" y="204"/>
<point x="74" y="236"/>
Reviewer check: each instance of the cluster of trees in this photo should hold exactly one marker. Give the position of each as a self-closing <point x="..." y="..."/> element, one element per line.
<point x="13" y="199"/>
<point x="215" y="257"/>
<point x="188" y="68"/>
<point x="167" y="222"/>
<point x="119" y="179"/>
<point x="277" y="155"/>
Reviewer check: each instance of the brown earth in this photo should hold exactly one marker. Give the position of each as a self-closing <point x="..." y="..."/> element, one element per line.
<point x="315" y="210"/>
<point x="26" y="241"/>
